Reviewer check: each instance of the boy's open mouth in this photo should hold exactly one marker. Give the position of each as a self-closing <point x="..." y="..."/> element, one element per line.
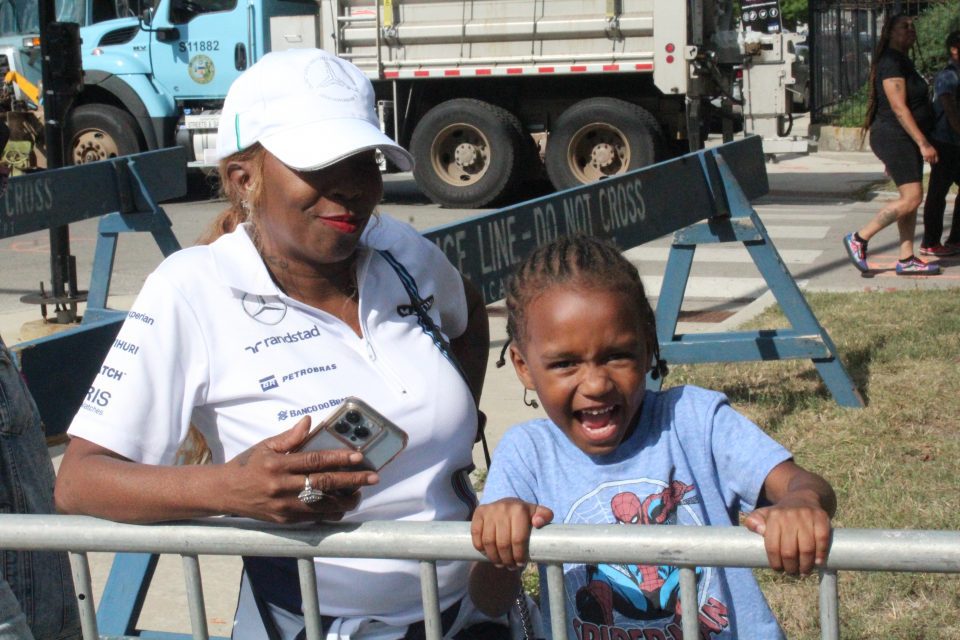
<point x="599" y="423"/>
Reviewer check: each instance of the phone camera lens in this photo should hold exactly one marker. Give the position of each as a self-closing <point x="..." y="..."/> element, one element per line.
<point x="361" y="432"/>
<point x="353" y="417"/>
<point x="341" y="427"/>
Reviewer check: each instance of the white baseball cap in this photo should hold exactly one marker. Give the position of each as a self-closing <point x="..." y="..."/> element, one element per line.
<point x="308" y="108"/>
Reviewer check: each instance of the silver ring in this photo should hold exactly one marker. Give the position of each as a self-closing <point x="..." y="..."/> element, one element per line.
<point x="309" y="495"/>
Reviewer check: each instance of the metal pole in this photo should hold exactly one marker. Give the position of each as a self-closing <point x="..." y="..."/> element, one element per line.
<point x="690" y="618"/>
<point x="53" y="110"/>
<point x="310" y="598"/>
<point x="558" y="606"/>
<point x="194" y="584"/>
<point x="80" y="565"/>
<point x="829" y="606"/>
<point x="430" y="593"/>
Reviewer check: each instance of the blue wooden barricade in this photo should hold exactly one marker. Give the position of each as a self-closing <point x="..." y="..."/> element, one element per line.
<point x="124" y="193"/>
<point x="702" y="197"/>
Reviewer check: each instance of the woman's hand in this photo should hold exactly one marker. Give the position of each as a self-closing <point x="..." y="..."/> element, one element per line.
<point x="264" y="481"/>
<point x="929" y="152"/>
<point x="501" y="530"/>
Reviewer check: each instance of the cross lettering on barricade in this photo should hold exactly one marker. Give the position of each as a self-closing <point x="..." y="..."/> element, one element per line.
<point x="123" y="192"/>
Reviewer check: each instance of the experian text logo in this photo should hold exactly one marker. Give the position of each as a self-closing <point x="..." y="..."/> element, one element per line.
<point x="289" y="337"/>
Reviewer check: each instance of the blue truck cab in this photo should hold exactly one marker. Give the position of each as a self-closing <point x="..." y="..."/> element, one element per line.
<point x="155" y="75"/>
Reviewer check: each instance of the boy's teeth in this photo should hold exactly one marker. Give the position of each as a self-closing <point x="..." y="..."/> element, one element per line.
<point x="597" y="412"/>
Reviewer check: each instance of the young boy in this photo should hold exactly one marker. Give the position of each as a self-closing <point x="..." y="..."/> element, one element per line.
<point x="583" y="338"/>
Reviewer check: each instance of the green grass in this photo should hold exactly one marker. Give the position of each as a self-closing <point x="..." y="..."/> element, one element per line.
<point x="893" y="464"/>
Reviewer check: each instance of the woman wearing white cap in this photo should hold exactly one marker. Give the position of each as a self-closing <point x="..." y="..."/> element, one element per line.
<point x="304" y="299"/>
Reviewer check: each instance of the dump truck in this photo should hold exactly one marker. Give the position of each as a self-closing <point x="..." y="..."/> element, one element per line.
<point x="486" y="94"/>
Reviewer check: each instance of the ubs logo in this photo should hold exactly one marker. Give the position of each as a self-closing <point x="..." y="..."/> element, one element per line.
<point x="408" y="309"/>
<point x="265" y="311"/>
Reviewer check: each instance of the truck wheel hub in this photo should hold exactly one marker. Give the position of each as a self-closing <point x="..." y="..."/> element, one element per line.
<point x="602" y="155"/>
<point x="466" y="155"/>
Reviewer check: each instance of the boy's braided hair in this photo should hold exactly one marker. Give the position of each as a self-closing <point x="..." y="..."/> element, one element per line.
<point x="583" y="261"/>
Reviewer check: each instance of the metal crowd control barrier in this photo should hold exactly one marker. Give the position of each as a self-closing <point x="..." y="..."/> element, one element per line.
<point x="701" y="197"/>
<point x="123" y="192"/>
<point x="429" y="542"/>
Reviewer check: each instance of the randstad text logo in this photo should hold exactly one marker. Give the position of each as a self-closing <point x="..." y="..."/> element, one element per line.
<point x="287" y="338"/>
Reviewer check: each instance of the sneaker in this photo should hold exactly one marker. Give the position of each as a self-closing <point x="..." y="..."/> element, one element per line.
<point x="939" y="250"/>
<point x="953" y="246"/>
<point x="915" y="267"/>
<point x="857" y="251"/>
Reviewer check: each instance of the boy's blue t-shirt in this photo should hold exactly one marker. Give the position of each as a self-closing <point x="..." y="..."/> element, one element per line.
<point x="692" y="460"/>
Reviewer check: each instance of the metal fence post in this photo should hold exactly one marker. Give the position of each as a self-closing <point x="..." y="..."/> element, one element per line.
<point x="829" y="605"/>
<point x="194" y="583"/>
<point x="558" y="606"/>
<point x="690" y="616"/>
<point x="308" y="594"/>
<point x="80" y="566"/>
<point x="430" y="594"/>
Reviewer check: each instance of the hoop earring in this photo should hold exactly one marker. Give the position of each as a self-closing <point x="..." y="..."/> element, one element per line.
<point x="533" y="404"/>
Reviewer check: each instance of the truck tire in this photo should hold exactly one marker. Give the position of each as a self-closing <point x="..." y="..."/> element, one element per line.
<point x="598" y="138"/>
<point x="468" y="153"/>
<point x="99" y="132"/>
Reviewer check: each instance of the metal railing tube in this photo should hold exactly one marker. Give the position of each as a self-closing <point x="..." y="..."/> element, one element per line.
<point x="829" y="606"/>
<point x="852" y="549"/>
<point x="690" y="616"/>
<point x="558" y="603"/>
<point x="308" y="595"/>
<point x="430" y="594"/>
<point x="80" y="567"/>
<point x="895" y="550"/>
<point x="194" y="584"/>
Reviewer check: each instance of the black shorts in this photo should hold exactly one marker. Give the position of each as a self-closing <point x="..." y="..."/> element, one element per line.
<point x="898" y="152"/>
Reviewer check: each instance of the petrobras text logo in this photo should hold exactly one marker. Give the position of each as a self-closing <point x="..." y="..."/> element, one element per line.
<point x="290" y="337"/>
<point x="320" y="406"/>
<point x="270" y="382"/>
<point x="308" y="371"/>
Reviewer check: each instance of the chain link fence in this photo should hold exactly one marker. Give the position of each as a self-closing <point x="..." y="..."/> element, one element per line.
<point x="843" y="37"/>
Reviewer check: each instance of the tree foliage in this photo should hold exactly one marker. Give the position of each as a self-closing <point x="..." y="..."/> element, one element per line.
<point x="793" y="11"/>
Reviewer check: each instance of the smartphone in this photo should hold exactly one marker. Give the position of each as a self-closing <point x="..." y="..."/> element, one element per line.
<point x="357" y="426"/>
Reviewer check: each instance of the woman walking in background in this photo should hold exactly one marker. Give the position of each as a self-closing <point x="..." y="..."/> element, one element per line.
<point x="898" y="115"/>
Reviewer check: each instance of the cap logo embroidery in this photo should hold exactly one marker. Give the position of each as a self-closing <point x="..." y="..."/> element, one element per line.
<point x="330" y="80"/>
